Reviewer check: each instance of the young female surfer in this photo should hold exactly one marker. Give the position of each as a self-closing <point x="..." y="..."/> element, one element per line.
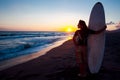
<point x="80" y="42"/>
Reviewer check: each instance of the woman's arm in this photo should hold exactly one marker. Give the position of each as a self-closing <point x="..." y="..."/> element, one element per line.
<point x="97" y="32"/>
<point x="74" y="38"/>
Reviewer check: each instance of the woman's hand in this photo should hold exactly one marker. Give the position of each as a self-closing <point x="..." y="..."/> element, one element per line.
<point x="105" y="26"/>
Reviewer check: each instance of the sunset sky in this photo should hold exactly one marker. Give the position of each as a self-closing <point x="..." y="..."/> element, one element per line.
<point x="51" y="15"/>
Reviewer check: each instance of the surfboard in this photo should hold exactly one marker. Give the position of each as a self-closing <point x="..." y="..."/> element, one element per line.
<point x="96" y="42"/>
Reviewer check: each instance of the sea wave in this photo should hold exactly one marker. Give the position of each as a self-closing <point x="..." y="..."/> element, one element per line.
<point x="13" y="43"/>
<point x="10" y="35"/>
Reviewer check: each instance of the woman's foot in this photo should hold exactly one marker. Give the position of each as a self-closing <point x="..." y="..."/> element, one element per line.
<point x="82" y="75"/>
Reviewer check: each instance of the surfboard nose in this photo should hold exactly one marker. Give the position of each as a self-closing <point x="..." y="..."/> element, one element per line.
<point x="98" y="3"/>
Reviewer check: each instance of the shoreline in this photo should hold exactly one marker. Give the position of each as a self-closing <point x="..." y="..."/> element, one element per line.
<point x="24" y="58"/>
<point x="59" y="63"/>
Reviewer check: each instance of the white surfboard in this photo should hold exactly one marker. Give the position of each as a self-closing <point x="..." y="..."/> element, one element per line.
<point x="96" y="42"/>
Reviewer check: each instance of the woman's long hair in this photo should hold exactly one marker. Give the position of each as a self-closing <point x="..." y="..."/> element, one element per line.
<point x="82" y="25"/>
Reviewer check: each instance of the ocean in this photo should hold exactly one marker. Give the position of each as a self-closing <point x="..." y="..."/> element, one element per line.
<point x="17" y="43"/>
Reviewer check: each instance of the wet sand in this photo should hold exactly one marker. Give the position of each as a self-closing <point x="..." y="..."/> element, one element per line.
<point x="60" y="64"/>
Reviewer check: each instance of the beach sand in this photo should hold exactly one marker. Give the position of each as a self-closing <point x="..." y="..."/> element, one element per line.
<point x="59" y="63"/>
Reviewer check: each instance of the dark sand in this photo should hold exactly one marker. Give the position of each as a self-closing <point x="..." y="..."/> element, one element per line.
<point x="60" y="64"/>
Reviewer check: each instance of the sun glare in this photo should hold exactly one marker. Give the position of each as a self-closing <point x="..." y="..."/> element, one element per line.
<point x="69" y="29"/>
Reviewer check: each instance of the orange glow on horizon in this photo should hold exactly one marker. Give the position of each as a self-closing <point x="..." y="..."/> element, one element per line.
<point x="68" y="29"/>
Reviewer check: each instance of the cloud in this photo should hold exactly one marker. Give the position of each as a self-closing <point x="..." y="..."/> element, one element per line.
<point x="110" y="23"/>
<point x="118" y="25"/>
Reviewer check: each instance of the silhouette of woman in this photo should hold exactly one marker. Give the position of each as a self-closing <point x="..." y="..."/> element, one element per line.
<point x="80" y="42"/>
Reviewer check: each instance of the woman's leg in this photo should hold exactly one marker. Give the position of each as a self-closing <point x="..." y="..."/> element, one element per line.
<point x="82" y="60"/>
<point x="78" y="55"/>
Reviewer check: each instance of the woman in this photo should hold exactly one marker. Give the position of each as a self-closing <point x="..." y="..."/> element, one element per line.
<point x="80" y="41"/>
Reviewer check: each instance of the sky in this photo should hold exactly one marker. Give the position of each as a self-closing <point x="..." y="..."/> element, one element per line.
<point x="51" y="15"/>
